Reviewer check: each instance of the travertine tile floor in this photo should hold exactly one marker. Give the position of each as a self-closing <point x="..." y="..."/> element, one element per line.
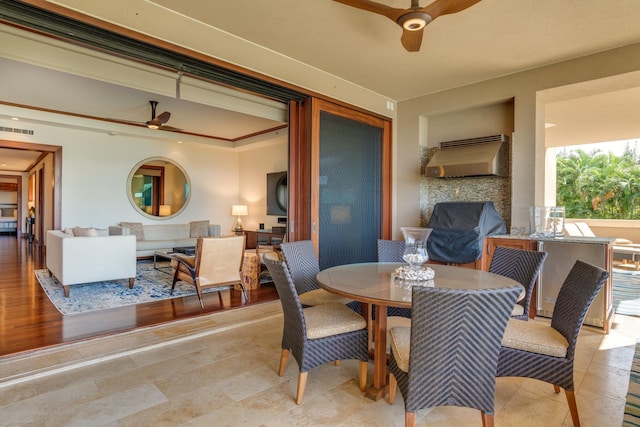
<point x="221" y="370"/>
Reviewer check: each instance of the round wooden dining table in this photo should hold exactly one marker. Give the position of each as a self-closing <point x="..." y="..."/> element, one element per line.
<point x="374" y="284"/>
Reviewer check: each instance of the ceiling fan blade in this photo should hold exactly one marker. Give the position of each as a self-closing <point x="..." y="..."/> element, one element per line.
<point x="370" y="6"/>
<point x="411" y="40"/>
<point x="445" y="7"/>
<point x="170" y="128"/>
<point x="156" y="122"/>
<point x="164" y="117"/>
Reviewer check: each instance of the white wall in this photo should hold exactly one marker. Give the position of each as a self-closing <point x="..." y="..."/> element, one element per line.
<point x="254" y="166"/>
<point x="528" y="141"/>
<point x="95" y="166"/>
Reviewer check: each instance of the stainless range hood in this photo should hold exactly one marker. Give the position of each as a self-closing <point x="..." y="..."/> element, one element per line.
<point x="486" y="156"/>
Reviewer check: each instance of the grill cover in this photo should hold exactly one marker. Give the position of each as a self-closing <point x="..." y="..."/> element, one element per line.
<point x="459" y="229"/>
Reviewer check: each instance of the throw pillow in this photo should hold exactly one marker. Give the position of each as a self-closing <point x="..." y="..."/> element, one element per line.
<point x="199" y="229"/>
<point x="84" y="232"/>
<point x="134" y="228"/>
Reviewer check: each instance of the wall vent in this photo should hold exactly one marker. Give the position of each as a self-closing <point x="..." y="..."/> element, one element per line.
<point x="16" y="130"/>
<point x="472" y="141"/>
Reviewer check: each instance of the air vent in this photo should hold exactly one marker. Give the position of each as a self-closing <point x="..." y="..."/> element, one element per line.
<point x="16" y="130"/>
<point x="473" y="141"/>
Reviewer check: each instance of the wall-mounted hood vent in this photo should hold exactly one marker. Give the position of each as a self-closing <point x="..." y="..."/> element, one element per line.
<point x="486" y="156"/>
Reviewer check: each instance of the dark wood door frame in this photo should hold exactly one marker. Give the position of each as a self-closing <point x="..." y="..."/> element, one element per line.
<point x="56" y="151"/>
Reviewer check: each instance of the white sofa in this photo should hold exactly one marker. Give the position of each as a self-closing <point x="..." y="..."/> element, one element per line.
<point x="164" y="236"/>
<point x="74" y="260"/>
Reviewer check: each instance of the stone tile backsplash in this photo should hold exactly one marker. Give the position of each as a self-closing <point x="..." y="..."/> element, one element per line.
<point x="473" y="189"/>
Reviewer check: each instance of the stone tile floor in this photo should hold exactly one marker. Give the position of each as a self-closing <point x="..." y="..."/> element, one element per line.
<point x="221" y="370"/>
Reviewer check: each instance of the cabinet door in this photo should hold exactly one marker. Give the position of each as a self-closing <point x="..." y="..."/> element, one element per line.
<point x="490" y="244"/>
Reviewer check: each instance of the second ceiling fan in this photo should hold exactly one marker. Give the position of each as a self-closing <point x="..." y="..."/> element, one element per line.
<point x="158" y="122"/>
<point x="414" y="19"/>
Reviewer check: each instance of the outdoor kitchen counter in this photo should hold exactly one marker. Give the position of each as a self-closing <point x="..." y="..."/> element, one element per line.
<point x="563" y="252"/>
<point x="567" y="239"/>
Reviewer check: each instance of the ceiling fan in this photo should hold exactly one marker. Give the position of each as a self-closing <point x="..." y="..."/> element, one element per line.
<point x="414" y="19"/>
<point x="158" y="122"/>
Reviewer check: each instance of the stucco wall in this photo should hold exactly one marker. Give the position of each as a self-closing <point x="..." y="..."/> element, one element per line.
<point x="530" y="91"/>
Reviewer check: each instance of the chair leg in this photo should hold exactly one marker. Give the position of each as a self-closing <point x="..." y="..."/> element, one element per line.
<point x="283" y="361"/>
<point x="556" y="389"/>
<point x="487" y="420"/>
<point x="393" y="385"/>
<point x="302" y="382"/>
<point x="364" y="366"/>
<point x="336" y="362"/>
<point x="573" y="408"/>
<point x="175" y="279"/>
<point x="199" y="291"/>
<point x="132" y="280"/>
<point x="409" y="419"/>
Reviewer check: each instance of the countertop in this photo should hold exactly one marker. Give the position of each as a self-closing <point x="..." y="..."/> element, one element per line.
<point x="564" y="239"/>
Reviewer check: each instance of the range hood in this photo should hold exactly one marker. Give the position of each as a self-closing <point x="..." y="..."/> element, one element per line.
<point x="485" y="156"/>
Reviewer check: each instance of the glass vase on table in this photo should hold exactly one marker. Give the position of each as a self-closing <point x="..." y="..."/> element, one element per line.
<point x="415" y="246"/>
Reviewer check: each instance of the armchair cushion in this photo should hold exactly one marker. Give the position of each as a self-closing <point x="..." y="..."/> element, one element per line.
<point x="535" y="338"/>
<point x="331" y="319"/>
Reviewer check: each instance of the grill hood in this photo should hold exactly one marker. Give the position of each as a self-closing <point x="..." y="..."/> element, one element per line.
<point x="486" y="156"/>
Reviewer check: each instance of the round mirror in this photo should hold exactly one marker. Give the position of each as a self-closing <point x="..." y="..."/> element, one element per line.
<point x="158" y="188"/>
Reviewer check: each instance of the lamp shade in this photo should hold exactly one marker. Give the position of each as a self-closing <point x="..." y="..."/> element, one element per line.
<point x="239" y="210"/>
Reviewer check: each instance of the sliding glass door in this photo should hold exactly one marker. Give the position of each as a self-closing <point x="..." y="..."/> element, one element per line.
<point x="350" y="184"/>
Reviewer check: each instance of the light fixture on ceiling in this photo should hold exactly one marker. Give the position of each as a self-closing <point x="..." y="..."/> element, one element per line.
<point x="548" y="125"/>
<point x="414" y="21"/>
<point x="15" y="118"/>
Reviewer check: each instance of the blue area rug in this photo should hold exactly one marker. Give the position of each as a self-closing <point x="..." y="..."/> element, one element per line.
<point x="151" y="285"/>
<point x="626" y="292"/>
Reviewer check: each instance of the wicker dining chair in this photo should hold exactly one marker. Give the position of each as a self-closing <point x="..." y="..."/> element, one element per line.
<point x="449" y="354"/>
<point x="392" y="251"/>
<point x="216" y="264"/>
<point x="300" y="258"/>
<point x="521" y="266"/>
<point x="546" y="352"/>
<point x="317" y="335"/>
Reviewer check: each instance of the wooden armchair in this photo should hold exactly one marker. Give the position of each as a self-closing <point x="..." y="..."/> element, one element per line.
<point x="217" y="263"/>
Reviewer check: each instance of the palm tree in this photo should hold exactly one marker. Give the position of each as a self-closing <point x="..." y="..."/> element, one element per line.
<point x="598" y="185"/>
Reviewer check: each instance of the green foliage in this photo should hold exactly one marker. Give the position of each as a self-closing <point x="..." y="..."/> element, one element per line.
<point x="598" y="185"/>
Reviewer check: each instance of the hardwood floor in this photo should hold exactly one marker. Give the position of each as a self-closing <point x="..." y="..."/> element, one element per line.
<point x="29" y="321"/>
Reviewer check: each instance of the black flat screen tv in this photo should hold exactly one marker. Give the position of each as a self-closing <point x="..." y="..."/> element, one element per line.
<point x="277" y="193"/>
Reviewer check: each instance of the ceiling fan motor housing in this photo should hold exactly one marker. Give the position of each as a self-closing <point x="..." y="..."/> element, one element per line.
<point x="414" y="21"/>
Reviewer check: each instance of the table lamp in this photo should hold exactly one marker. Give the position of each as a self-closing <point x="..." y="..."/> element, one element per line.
<point x="239" y="211"/>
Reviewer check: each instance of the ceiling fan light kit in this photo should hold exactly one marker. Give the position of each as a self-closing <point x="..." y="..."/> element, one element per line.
<point x="414" y="21"/>
<point x="415" y="18"/>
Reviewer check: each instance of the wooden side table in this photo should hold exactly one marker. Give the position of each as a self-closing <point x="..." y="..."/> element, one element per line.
<point x="250" y="271"/>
